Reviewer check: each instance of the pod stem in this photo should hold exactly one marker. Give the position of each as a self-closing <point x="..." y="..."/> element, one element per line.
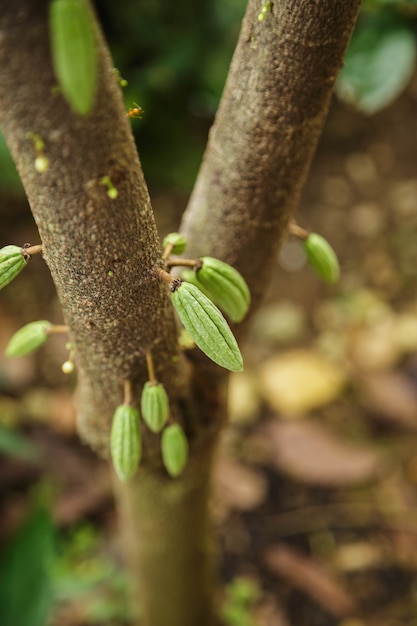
<point x="28" y="250"/>
<point x="170" y="280"/>
<point x="57" y="328"/>
<point x="151" y="369"/>
<point x="127" y="392"/>
<point x="168" y="251"/>
<point x="298" y="231"/>
<point x="173" y="262"/>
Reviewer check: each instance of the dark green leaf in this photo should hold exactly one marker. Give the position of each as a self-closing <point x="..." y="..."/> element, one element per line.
<point x="25" y="573"/>
<point x="379" y="62"/>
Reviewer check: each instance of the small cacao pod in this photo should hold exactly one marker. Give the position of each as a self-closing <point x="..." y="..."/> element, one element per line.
<point x="176" y="240"/>
<point x="174" y="449"/>
<point x="28" y="338"/>
<point x="74" y="52"/>
<point x="125" y="441"/>
<point x="322" y="257"/>
<point x="207" y="326"/>
<point x="12" y="262"/>
<point x="225" y="286"/>
<point x="154" y="406"/>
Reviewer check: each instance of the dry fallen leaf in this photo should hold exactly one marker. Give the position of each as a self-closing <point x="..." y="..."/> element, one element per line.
<point x="300" y="380"/>
<point x="304" y="573"/>
<point x="307" y="452"/>
<point x="390" y="397"/>
<point x="237" y="486"/>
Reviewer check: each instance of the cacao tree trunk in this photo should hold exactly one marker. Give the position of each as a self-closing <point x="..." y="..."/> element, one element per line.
<point x="103" y="253"/>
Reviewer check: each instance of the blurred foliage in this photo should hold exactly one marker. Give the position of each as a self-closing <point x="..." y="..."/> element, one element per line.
<point x="240" y="596"/>
<point x="175" y="59"/>
<point x="14" y="444"/>
<point x="9" y="178"/>
<point x="381" y="56"/>
<point x="42" y="573"/>
<point x="25" y="572"/>
<point x="83" y="574"/>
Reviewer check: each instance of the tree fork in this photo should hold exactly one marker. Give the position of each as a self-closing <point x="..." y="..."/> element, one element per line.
<point x="103" y="253"/>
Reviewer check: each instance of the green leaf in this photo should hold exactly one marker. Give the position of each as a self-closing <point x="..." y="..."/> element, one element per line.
<point x="25" y="573"/>
<point x="74" y="52"/>
<point x="28" y="338"/>
<point x="14" y="444"/>
<point x="174" y="449"/>
<point x="207" y="326"/>
<point x="379" y="63"/>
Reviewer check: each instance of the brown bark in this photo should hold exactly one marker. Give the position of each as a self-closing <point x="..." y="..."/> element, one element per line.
<point x="101" y="252"/>
<point x="102" y="255"/>
<point x="266" y="131"/>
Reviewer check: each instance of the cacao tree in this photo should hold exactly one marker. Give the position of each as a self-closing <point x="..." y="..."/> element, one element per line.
<point x="75" y="154"/>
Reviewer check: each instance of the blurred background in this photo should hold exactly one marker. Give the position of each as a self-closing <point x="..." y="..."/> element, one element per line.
<point x="315" y="491"/>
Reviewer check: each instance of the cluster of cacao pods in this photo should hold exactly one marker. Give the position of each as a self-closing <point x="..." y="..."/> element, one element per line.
<point x="197" y="297"/>
<point x="126" y="437"/>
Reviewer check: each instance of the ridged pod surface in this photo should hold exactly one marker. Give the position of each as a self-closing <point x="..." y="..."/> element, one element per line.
<point x="207" y="326"/>
<point x="28" y="338"/>
<point x="322" y="257"/>
<point x="12" y="262"/>
<point x="125" y="441"/>
<point x="154" y="406"/>
<point x="74" y="52"/>
<point x="174" y="449"/>
<point x="225" y="286"/>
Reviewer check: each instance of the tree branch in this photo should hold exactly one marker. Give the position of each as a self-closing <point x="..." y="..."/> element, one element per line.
<point x="266" y="131"/>
<point x="102" y="253"/>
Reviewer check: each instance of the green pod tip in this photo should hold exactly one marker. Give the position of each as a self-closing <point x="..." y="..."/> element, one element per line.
<point x="125" y="441"/>
<point x="322" y="257"/>
<point x="12" y="261"/>
<point x="177" y="241"/>
<point x="154" y="406"/>
<point x="28" y="338"/>
<point x="174" y="449"/>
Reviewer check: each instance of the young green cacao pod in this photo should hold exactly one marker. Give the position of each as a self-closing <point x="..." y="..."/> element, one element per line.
<point x="125" y="441"/>
<point x="322" y="257"/>
<point x="154" y="406"/>
<point x="176" y="240"/>
<point x="174" y="449"/>
<point x="225" y="286"/>
<point x="190" y="276"/>
<point x="207" y="326"/>
<point x="74" y="52"/>
<point x="28" y="338"/>
<point x="12" y="262"/>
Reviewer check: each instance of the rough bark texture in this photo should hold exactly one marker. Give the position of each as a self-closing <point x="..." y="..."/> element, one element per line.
<point x="266" y="130"/>
<point x="102" y="253"/>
